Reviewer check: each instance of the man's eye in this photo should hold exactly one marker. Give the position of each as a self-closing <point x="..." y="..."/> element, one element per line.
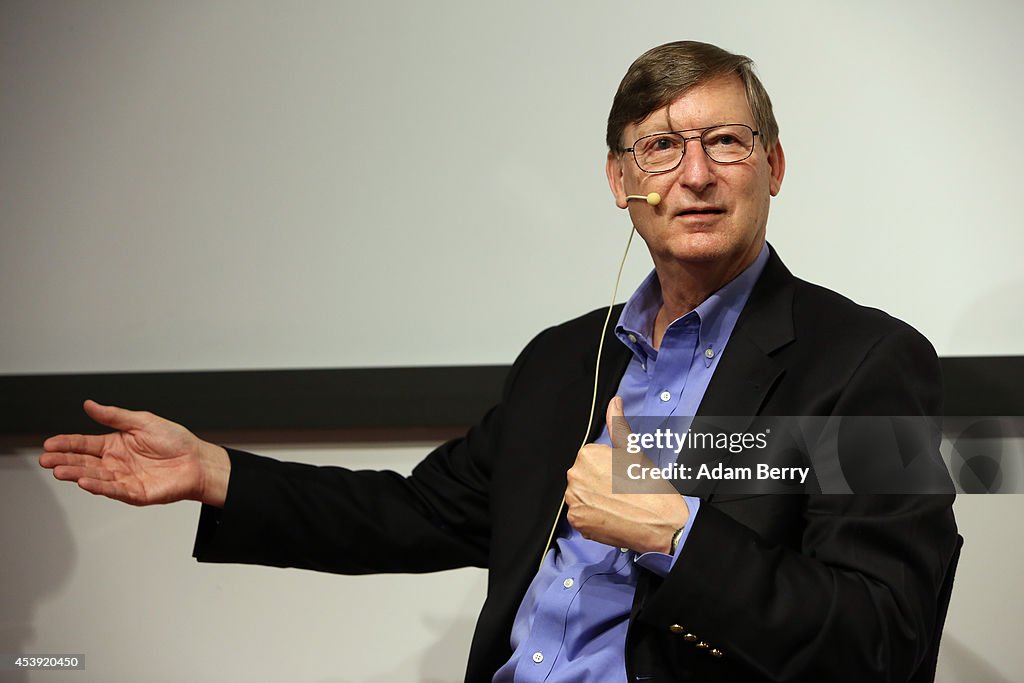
<point x="660" y="144"/>
<point x="722" y="140"/>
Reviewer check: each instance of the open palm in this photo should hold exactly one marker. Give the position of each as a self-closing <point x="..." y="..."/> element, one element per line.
<point x="148" y="460"/>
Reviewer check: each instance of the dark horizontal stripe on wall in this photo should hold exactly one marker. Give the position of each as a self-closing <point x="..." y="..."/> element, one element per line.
<point x="377" y="403"/>
<point x="373" y="401"/>
<point x="983" y="385"/>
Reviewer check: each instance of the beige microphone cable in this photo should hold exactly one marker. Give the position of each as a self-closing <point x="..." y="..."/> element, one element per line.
<point x="653" y="199"/>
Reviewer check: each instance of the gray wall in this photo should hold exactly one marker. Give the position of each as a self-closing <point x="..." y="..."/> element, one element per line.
<point x="191" y="185"/>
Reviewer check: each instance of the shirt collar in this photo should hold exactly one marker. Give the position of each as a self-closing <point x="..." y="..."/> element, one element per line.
<point x="714" y="317"/>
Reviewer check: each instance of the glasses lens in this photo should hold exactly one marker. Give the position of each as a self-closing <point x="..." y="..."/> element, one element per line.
<point x="659" y="152"/>
<point x="728" y="144"/>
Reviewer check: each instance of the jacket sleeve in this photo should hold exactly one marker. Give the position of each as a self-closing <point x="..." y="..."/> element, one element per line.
<point x="355" y="522"/>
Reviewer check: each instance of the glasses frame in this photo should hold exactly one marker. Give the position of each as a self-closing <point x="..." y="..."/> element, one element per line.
<point x="703" y="132"/>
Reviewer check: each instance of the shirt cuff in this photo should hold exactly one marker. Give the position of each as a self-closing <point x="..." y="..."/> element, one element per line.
<point x="662" y="563"/>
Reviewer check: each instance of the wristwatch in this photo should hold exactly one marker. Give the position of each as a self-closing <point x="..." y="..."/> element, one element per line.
<point x="675" y="540"/>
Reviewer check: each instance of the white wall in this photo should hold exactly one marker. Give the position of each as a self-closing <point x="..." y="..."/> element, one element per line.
<point x="255" y="184"/>
<point x="118" y="584"/>
<point x="87" y="575"/>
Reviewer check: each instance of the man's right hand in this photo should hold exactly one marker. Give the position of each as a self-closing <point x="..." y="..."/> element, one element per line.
<point x="148" y="460"/>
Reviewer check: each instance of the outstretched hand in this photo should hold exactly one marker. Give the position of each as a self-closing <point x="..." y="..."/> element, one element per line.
<point x="148" y="460"/>
<point x="644" y="522"/>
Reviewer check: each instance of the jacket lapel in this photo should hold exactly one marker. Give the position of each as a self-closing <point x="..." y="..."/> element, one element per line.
<point x="579" y="391"/>
<point x="748" y="369"/>
<point x="614" y="360"/>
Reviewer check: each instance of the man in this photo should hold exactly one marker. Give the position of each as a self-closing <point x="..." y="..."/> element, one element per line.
<point x="641" y="586"/>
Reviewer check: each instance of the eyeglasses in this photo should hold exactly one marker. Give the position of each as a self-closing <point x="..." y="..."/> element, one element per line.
<point x="726" y="144"/>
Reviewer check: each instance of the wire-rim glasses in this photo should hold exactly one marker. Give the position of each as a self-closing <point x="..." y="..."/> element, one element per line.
<point x="727" y="143"/>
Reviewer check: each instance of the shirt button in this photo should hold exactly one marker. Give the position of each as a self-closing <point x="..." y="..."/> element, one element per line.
<point x="568" y="583"/>
<point x="623" y="550"/>
<point x="665" y="396"/>
<point x="632" y="338"/>
<point x="709" y="353"/>
<point x="538" y="657"/>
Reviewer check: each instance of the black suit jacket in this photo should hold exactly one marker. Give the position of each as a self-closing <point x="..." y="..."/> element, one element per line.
<point x="784" y="587"/>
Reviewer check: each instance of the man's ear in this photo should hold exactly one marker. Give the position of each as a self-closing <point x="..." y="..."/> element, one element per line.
<point x="777" y="164"/>
<point x="613" y="168"/>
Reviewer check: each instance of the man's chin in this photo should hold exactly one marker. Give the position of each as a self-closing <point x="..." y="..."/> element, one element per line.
<point x="701" y="248"/>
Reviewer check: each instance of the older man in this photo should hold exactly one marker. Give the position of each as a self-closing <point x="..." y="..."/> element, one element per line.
<point x="640" y="586"/>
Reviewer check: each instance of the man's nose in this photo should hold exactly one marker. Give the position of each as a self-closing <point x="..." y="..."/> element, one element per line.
<point x="695" y="170"/>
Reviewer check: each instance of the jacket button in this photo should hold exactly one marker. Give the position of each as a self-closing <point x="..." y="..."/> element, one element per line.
<point x="716" y="652"/>
<point x="690" y="638"/>
<point x="702" y="645"/>
<point x="677" y="629"/>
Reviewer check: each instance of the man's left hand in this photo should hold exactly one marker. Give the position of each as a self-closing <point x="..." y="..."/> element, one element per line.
<point x="643" y="522"/>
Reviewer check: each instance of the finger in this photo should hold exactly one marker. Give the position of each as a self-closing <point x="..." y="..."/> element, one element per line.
<point x="112" y="416"/>
<point x="570" y="497"/>
<point x="589" y="455"/>
<point x="77" y="472"/>
<point x="51" y="460"/>
<point x="618" y="427"/>
<point x="75" y="443"/>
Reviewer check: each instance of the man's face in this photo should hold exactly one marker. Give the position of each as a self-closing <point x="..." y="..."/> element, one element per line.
<point x="712" y="214"/>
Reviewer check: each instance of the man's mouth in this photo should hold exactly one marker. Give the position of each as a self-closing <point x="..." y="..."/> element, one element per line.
<point x="701" y="211"/>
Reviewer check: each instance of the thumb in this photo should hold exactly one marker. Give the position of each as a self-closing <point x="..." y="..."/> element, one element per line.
<point x="112" y="416"/>
<point x="618" y="427"/>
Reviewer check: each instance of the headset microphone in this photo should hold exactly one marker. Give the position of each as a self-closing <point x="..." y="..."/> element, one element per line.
<point x="653" y="198"/>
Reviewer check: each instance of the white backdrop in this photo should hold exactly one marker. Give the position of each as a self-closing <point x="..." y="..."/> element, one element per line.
<point x="194" y="185"/>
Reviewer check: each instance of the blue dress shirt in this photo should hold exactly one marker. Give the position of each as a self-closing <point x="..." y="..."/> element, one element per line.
<point x="571" y="625"/>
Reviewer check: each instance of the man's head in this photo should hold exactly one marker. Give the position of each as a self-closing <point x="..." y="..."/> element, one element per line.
<point x="715" y="201"/>
<point x="663" y="73"/>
